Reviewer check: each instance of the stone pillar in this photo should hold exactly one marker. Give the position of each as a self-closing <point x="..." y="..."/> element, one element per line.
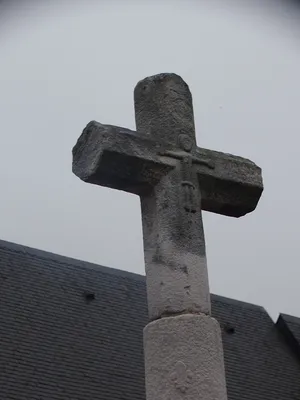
<point x="184" y="359"/>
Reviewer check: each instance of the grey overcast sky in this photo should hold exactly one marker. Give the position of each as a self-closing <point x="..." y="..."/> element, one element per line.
<point x="66" y="63"/>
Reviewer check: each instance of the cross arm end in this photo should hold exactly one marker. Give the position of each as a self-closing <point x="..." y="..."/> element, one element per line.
<point x="117" y="158"/>
<point x="233" y="187"/>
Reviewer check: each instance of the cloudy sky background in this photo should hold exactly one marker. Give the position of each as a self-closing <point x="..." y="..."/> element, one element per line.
<point x="66" y="63"/>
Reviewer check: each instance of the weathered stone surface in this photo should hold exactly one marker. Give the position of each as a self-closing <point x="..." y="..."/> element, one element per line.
<point x="184" y="359"/>
<point x="126" y="160"/>
<point x="118" y="158"/>
<point x="176" y="283"/>
<point x="164" y="109"/>
<point x="175" y="180"/>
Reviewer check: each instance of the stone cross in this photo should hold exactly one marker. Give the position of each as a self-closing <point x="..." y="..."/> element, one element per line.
<point x="175" y="180"/>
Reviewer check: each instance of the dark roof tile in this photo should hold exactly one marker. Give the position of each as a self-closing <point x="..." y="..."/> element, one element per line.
<point x="57" y="344"/>
<point x="290" y="329"/>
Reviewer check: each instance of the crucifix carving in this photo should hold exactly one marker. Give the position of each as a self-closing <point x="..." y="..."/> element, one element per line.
<point x="188" y="192"/>
<point x="175" y="180"/>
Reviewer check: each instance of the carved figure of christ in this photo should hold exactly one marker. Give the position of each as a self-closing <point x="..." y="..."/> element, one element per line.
<point x="175" y="180"/>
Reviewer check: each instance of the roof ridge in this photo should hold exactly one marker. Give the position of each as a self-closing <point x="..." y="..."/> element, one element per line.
<point x="73" y="262"/>
<point x="290" y="318"/>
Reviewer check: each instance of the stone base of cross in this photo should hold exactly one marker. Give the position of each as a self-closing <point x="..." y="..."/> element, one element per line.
<point x="175" y="180"/>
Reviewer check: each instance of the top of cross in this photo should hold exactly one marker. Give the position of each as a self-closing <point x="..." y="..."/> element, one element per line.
<point x="164" y="110"/>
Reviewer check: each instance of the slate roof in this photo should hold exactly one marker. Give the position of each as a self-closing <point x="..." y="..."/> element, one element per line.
<point x="71" y="330"/>
<point x="290" y="328"/>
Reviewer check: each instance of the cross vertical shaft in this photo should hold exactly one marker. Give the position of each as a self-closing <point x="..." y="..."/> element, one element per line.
<point x="174" y="249"/>
<point x="175" y="257"/>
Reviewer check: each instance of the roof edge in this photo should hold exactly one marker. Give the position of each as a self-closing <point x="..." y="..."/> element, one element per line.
<point x="236" y="302"/>
<point x="71" y="262"/>
<point x="43" y="254"/>
<point x="290" y="318"/>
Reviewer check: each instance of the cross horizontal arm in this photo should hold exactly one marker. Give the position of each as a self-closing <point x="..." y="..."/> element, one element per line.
<point x="233" y="187"/>
<point x="118" y="158"/>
